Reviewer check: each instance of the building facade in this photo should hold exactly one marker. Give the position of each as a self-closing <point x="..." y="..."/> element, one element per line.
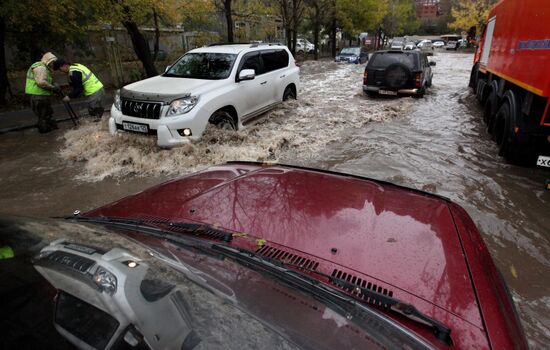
<point x="427" y="10"/>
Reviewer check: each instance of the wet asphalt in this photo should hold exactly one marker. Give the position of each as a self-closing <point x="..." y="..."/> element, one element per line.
<point x="437" y="144"/>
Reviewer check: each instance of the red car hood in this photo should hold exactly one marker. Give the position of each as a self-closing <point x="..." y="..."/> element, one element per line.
<point x="394" y="240"/>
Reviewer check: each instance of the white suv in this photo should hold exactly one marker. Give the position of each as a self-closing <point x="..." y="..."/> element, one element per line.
<point x="225" y="85"/>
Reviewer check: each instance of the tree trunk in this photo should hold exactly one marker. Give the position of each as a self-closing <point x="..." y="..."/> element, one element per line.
<point x="4" y="83"/>
<point x="289" y="39"/>
<point x="141" y="48"/>
<point x="295" y="26"/>
<point x="333" y="31"/>
<point x="229" y="20"/>
<point x="316" y="29"/>
<point x="157" y="35"/>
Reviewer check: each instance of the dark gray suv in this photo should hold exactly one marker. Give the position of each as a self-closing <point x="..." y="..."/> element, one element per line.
<point x="397" y="73"/>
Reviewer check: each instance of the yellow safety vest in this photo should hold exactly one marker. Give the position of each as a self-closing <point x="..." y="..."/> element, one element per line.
<point x="89" y="81"/>
<point x="31" y="87"/>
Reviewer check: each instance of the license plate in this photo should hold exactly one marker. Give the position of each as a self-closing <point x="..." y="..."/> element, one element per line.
<point x="144" y="128"/>
<point x="543" y="161"/>
<point x="387" y="92"/>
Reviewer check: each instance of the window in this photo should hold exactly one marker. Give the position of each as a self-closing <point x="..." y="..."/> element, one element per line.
<point x="488" y="40"/>
<point x="202" y="65"/>
<point x="91" y="325"/>
<point x="383" y="60"/>
<point x="274" y="60"/>
<point x="252" y="61"/>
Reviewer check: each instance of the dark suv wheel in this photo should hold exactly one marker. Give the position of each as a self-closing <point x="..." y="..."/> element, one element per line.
<point x="397" y="75"/>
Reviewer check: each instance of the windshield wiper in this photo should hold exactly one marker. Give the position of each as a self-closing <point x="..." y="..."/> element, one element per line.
<point x="349" y="305"/>
<point x="181" y="227"/>
<point x="440" y="330"/>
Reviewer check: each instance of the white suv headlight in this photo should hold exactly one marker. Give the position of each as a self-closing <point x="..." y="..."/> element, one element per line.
<point x="182" y="105"/>
<point x="117" y="99"/>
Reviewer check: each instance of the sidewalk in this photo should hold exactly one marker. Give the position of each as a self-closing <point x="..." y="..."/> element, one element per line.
<point x="25" y="118"/>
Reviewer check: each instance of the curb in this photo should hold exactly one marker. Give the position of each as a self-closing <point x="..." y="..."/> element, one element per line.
<point x="25" y="127"/>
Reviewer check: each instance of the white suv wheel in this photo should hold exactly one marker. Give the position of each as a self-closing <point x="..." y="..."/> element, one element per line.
<point x="223" y="120"/>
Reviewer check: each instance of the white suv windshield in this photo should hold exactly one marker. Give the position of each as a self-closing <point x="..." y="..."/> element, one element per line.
<point x="203" y="65"/>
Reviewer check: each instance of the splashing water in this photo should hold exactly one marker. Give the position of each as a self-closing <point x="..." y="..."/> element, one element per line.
<point x="330" y="103"/>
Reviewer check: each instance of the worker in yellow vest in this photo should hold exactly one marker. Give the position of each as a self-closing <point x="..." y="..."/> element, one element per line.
<point x="83" y="82"/>
<point x="39" y="85"/>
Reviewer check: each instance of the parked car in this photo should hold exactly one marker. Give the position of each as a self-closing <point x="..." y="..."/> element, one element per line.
<point x="224" y="85"/>
<point x="451" y="45"/>
<point x="353" y="55"/>
<point x="397" y="73"/>
<point x="303" y="45"/>
<point x="462" y="43"/>
<point x="426" y="46"/>
<point x="397" y="43"/>
<point x="256" y="256"/>
<point x="438" y="44"/>
<point x="410" y="45"/>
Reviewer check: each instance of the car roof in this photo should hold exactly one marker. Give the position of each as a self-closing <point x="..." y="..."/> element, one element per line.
<point x="236" y="48"/>
<point x="408" y="52"/>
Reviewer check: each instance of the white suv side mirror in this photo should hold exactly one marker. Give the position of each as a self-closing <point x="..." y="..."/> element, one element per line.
<point x="247" y="74"/>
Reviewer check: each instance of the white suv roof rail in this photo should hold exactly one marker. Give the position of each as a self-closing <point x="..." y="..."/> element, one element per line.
<point x="220" y="44"/>
<point x="251" y="44"/>
<point x="266" y="44"/>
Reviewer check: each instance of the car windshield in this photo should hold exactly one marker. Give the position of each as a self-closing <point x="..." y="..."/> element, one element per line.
<point x="383" y="60"/>
<point x="263" y="297"/>
<point x="350" y="51"/>
<point x="203" y="65"/>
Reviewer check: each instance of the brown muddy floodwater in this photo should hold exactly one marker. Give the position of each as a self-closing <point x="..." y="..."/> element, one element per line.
<point x="437" y="144"/>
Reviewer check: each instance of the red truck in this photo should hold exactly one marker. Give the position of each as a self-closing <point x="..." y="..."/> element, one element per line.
<point x="511" y="79"/>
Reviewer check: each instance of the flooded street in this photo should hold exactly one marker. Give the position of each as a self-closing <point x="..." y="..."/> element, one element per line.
<point x="437" y="144"/>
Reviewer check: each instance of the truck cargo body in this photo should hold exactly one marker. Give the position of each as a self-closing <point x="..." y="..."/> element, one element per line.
<point x="511" y="79"/>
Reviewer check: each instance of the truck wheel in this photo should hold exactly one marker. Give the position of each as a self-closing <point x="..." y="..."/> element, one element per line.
<point x="223" y="120"/>
<point x="490" y="110"/>
<point x="501" y="129"/>
<point x="481" y="91"/>
<point x="473" y="78"/>
<point x="508" y="118"/>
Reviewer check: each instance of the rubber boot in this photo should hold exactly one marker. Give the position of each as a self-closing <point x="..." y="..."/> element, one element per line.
<point x="43" y="126"/>
<point x="52" y="124"/>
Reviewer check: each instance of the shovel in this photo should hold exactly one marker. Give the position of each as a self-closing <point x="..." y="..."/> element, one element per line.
<point x="72" y="113"/>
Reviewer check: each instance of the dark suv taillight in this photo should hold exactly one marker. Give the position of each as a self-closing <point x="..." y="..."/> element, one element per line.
<point x="365" y="77"/>
<point x="418" y="80"/>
